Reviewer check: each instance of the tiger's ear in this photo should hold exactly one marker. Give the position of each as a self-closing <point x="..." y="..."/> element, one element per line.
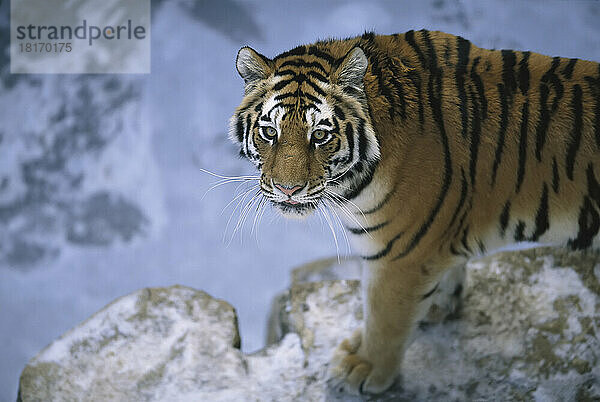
<point x="352" y="69"/>
<point x="252" y="66"/>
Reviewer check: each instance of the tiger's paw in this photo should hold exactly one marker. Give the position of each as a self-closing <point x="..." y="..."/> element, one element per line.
<point x="352" y="373"/>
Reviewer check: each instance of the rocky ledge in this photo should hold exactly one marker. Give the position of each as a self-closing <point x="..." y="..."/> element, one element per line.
<point x="528" y="330"/>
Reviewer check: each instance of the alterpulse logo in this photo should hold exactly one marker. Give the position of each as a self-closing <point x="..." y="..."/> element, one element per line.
<point x="81" y="32"/>
<point x="84" y="36"/>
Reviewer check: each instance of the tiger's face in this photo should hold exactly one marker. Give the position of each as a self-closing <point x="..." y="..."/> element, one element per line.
<point x="304" y="123"/>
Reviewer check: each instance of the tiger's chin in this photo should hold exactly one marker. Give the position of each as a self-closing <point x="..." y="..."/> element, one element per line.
<point x="295" y="211"/>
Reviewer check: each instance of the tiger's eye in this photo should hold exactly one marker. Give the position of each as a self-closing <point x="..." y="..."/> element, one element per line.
<point x="319" y="135"/>
<point x="269" y="133"/>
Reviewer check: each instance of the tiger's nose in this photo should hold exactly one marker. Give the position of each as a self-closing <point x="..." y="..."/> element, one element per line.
<point x="288" y="190"/>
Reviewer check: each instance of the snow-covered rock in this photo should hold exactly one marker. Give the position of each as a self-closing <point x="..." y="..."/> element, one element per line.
<point x="528" y="330"/>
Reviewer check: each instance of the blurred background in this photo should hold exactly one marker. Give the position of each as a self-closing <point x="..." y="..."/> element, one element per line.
<point x="101" y="191"/>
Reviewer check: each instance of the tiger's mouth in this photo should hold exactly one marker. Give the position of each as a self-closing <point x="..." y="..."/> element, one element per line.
<point x="295" y="209"/>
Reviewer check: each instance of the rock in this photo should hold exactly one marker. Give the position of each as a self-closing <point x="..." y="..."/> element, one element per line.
<point x="328" y="269"/>
<point x="151" y="344"/>
<point x="528" y="329"/>
<point x="321" y="270"/>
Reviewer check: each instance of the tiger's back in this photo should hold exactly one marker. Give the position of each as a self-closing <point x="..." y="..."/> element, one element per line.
<point x="444" y="151"/>
<point x="501" y="146"/>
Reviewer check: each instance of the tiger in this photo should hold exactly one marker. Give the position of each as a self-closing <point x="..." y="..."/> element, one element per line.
<point x="435" y="152"/>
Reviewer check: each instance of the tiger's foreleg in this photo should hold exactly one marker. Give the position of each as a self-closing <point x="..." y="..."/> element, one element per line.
<point x="396" y="298"/>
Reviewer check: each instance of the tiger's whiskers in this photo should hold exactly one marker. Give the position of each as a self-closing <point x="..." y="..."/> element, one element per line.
<point x="328" y="220"/>
<point x="338" y="201"/>
<point x="226" y="180"/>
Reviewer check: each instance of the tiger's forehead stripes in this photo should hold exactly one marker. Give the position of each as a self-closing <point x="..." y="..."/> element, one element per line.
<point x="307" y="56"/>
<point x="301" y="83"/>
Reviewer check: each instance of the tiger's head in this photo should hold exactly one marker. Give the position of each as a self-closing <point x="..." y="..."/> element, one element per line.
<point x="304" y="123"/>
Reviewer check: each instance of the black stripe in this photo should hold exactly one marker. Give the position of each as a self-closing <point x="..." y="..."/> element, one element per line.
<point x="543" y="122"/>
<point x="456" y="252"/>
<point x="504" y="218"/>
<point x="555" y="176"/>
<point x="397" y="84"/>
<point x="589" y="223"/>
<point x="593" y="186"/>
<point x="366" y="179"/>
<point x="339" y="113"/>
<point x="311" y="98"/>
<point x="299" y="79"/>
<point x="463" y="48"/>
<point x="524" y="73"/>
<point x="349" y="132"/>
<point x="314" y="51"/>
<point x="475" y="139"/>
<point x="594" y="86"/>
<point x="385" y="251"/>
<point x="316" y="88"/>
<point x="281" y="73"/>
<point x="336" y="126"/>
<point x="248" y="127"/>
<point x="509" y="60"/>
<point x="382" y="87"/>
<point x="502" y="132"/>
<point x="479" y="86"/>
<point x="410" y="38"/>
<point x="302" y="63"/>
<point x="324" y="122"/>
<point x="362" y="140"/>
<point x="284" y="96"/>
<point x="258" y="107"/>
<point x="368" y="36"/>
<point x="568" y="70"/>
<point x="575" y="138"/>
<point x="481" y="246"/>
<point x="381" y="203"/>
<point x="426" y="295"/>
<point x="461" y="201"/>
<point x="435" y="102"/>
<point x="541" y="218"/>
<point x="352" y="91"/>
<point x="400" y="95"/>
<point x="464" y="241"/>
<point x="318" y="76"/>
<point x="361" y="231"/>
<point x="415" y="79"/>
<point x="523" y="145"/>
<point x="414" y="76"/>
<point x="520" y="231"/>
<point x="463" y="218"/>
<point x="297" y="51"/>
<point x="248" y="137"/>
<point x="447" y="52"/>
<point x="239" y="129"/>
<point x="283" y="83"/>
<point x="549" y="81"/>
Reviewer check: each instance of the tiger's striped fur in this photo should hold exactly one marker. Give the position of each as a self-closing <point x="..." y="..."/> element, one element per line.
<point x="444" y="151"/>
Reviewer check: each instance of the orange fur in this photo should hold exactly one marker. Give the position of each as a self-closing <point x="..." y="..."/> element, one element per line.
<point x="464" y="151"/>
